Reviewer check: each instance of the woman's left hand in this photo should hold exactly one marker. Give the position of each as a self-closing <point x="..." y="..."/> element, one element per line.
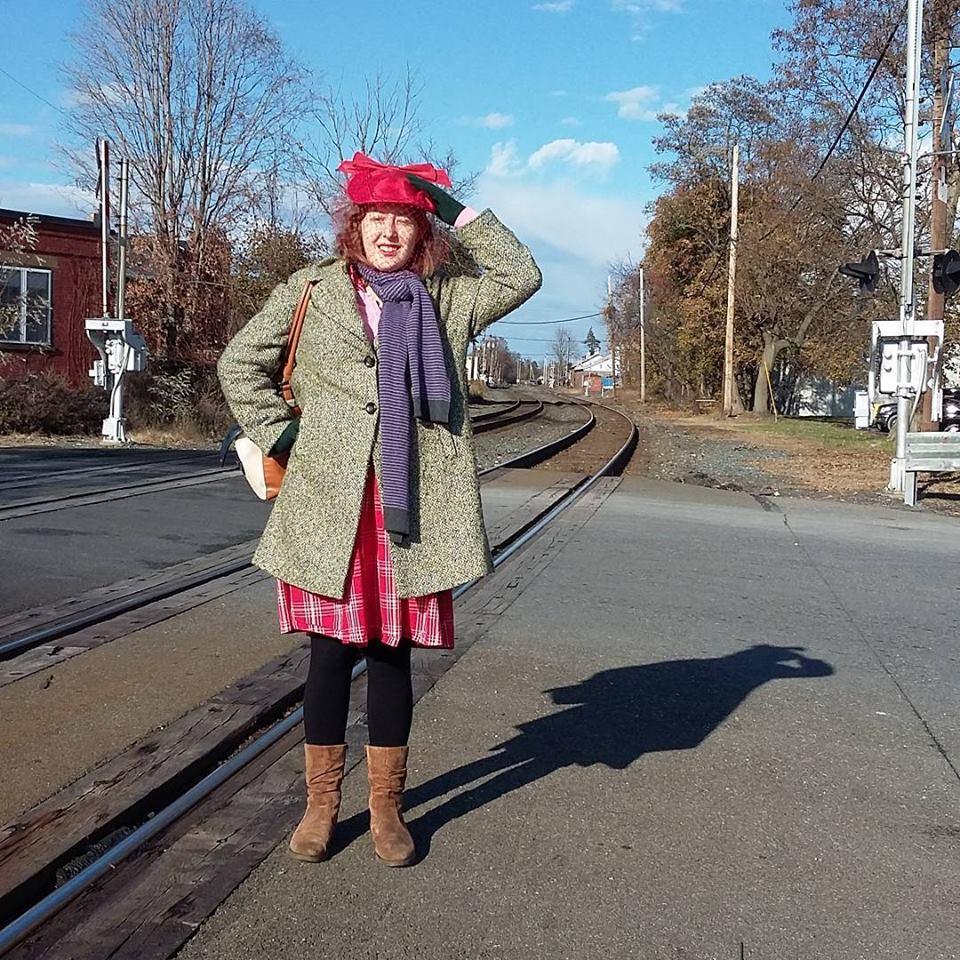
<point x="448" y="209"/>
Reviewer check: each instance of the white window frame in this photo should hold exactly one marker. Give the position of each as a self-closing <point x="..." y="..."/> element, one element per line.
<point x="22" y="324"/>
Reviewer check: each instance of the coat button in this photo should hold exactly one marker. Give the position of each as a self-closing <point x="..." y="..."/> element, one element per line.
<point x="371" y="407"/>
<point x="369" y="361"/>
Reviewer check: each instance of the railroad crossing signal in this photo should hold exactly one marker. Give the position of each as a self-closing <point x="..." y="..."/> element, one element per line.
<point x="866" y="271"/>
<point x="946" y="273"/>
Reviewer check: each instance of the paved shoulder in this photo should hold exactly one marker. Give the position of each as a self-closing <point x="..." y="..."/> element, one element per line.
<point x="676" y="742"/>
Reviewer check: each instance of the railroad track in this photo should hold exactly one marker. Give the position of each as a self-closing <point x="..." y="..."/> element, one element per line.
<point x="37" y="639"/>
<point x="70" y="474"/>
<point x="55" y="853"/>
<point x="29" y="506"/>
<point x="507" y="418"/>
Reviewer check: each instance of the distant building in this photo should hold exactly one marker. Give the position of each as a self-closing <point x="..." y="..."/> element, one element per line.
<point x="46" y="294"/>
<point x="819" y="397"/>
<point x="588" y="374"/>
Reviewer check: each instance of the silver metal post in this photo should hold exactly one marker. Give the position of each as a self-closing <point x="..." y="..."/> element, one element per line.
<point x="122" y="256"/>
<point x="907" y="301"/>
<point x="103" y="162"/>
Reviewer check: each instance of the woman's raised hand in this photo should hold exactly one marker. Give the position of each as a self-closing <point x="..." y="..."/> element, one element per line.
<point x="448" y="209"/>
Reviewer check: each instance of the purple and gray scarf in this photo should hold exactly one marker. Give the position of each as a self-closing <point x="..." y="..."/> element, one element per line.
<point x="412" y="382"/>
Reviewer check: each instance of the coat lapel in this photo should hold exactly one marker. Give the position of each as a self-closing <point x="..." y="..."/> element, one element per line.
<point x="336" y="300"/>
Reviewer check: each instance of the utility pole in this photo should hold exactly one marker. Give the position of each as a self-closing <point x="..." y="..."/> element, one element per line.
<point x="731" y="400"/>
<point x="613" y="336"/>
<point x="907" y="293"/>
<point x="643" y="339"/>
<point x="939" y="240"/>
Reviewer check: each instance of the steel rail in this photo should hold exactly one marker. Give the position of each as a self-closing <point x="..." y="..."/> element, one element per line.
<point x="143" y="486"/>
<point x="35" y="505"/>
<point x="493" y="414"/>
<point x="31" y="919"/>
<point x="54" y="475"/>
<point x="499" y="422"/>
<point x="17" y="641"/>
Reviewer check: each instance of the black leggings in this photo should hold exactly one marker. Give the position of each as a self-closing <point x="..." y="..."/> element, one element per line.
<point x="326" y="697"/>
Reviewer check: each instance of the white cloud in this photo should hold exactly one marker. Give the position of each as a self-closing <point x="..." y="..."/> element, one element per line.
<point x="17" y="129"/>
<point x="603" y="155"/>
<point x="558" y="93"/>
<point x="55" y="200"/>
<point x="491" y="121"/>
<point x="504" y="160"/>
<point x="638" y="8"/>
<point x="558" y="6"/>
<point x="640" y="12"/>
<point x="637" y="103"/>
<point x="570" y="122"/>
<point x="593" y="230"/>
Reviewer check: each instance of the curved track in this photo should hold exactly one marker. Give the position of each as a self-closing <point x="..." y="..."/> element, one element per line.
<point x="185" y="789"/>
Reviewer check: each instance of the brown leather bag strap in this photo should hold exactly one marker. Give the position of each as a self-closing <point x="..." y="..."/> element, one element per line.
<point x="293" y="338"/>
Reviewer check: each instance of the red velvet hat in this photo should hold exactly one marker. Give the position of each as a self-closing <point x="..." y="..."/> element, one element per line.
<point x="371" y="182"/>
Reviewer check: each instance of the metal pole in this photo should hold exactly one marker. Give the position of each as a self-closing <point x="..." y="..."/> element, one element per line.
<point x="103" y="162"/>
<point x="728" y="384"/>
<point x="643" y="344"/>
<point x="122" y="240"/>
<point x="907" y="303"/>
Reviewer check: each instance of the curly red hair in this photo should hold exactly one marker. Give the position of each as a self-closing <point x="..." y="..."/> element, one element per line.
<point x="431" y="251"/>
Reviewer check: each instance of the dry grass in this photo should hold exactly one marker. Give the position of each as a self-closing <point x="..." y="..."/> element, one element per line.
<point x="822" y="456"/>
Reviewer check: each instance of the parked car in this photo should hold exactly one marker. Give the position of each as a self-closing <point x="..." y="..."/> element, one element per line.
<point x="886" y="418"/>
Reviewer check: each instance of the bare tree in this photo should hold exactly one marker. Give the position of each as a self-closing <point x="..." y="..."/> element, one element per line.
<point x="562" y="350"/>
<point x="384" y="121"/>
<point x="17" y="239"/>
<point x="200" y="97"/>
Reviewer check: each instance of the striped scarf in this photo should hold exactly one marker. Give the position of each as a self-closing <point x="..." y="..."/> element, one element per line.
<point x="412" y="382"/>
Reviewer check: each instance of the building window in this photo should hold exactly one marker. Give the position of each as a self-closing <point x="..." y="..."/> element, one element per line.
<point x="25" y="306"/>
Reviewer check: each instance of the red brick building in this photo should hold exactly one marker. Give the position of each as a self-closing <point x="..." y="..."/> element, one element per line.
<point x="46" y="293"/>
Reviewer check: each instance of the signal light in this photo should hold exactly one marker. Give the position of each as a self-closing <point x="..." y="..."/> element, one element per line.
<point x="946" y="273"/>
<point x="866" y="271"/>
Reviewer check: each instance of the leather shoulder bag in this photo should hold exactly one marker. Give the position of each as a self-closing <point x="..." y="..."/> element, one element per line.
<point x="265" y="473"/>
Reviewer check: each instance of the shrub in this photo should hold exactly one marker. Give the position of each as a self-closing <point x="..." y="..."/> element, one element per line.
<point x="46" y="403"/>
<point x="174" y="393"/>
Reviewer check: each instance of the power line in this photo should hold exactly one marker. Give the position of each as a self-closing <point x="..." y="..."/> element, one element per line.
<point x="536" y="323"/>
<point x="33" y="93"/>
<point x="846" y="124"/>
<point x="833" y="146"/>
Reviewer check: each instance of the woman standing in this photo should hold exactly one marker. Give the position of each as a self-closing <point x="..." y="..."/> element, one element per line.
<point x="379" y="514"/>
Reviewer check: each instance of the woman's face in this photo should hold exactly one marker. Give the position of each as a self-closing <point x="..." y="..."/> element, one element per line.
<point x="390" y="234"/>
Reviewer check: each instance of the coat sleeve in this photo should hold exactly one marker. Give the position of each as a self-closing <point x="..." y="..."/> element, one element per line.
<point x="250" y="362"/>
<point x="509" y="276"/>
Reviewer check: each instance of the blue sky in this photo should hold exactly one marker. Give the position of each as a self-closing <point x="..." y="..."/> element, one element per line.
<point x="553" y="102"/>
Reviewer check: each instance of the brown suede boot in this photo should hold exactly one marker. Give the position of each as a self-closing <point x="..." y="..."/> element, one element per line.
<point x="387" y="771"/>
<point x="324" y="774"/>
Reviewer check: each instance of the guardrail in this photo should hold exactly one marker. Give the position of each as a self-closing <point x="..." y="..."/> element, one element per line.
<point x="928" y="453"/>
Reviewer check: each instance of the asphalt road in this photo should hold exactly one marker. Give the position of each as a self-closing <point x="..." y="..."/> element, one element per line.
<point x="62" y="553"/>
<point x="715" y="727"/>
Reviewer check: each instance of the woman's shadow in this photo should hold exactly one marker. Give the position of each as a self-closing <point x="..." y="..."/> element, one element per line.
<point x="613" y="718"/>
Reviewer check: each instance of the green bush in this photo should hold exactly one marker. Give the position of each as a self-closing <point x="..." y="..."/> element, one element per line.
<point x="46" y="403"/>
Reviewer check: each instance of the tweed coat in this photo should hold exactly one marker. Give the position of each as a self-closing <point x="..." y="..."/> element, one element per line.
<point x="309" y="537"/>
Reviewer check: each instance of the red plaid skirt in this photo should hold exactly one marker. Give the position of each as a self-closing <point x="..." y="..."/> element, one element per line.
<point x="370" y="608"/>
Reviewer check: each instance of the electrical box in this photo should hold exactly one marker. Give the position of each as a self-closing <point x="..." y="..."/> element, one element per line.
<point x="122" y="350"/>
